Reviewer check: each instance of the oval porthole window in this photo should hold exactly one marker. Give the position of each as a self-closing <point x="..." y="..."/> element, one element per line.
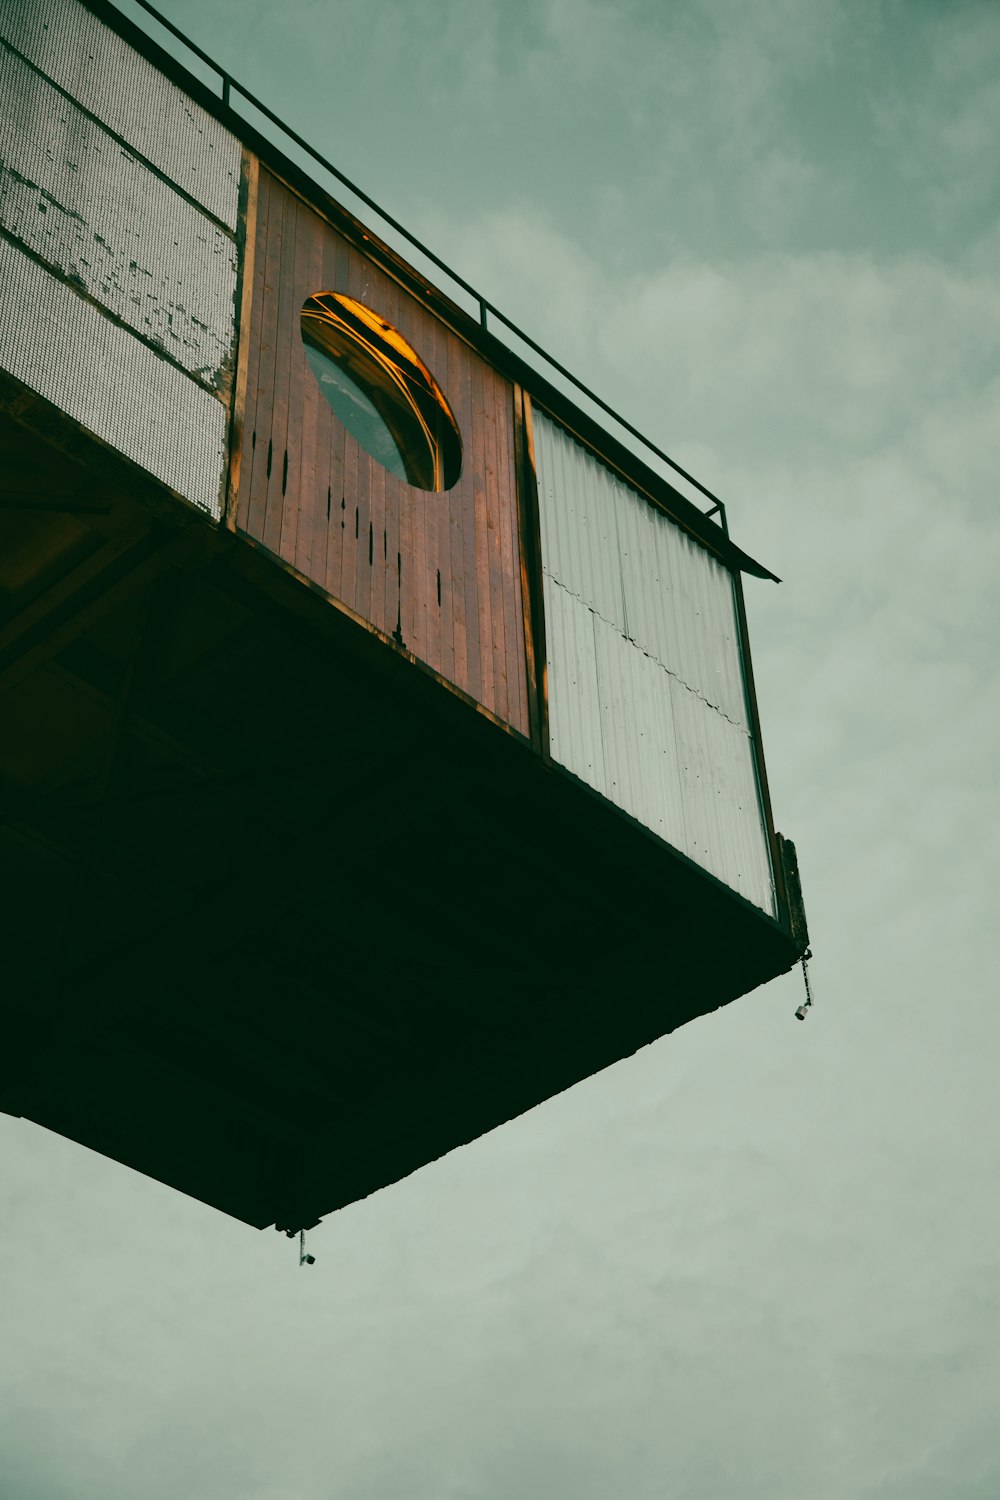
<point x="382" y="391"/>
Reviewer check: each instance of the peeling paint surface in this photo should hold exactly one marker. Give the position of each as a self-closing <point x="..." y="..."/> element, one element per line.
<point x="77" y="199"/>
<point x="115" y="83"/>
<point x="645" y="680"/>
<point x="61" y="346"/>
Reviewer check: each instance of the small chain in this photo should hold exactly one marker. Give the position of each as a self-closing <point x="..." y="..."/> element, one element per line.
<point x="806" y="1005"/>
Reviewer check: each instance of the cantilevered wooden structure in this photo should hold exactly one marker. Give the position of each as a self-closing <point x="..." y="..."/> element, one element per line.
<point x="380" y="753"/>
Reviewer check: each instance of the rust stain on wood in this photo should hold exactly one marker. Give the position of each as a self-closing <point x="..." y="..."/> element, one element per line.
<point x="246" y="246"/>
<point x="531" y="572"/>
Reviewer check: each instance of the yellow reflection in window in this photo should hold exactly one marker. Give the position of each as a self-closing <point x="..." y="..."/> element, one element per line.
<point x="382" y="391"/>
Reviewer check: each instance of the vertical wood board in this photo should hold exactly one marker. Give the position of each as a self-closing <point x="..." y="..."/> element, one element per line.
<point x="441" y="573"/>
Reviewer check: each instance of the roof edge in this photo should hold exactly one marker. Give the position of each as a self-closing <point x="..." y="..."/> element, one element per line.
<point x="611" y="449"/>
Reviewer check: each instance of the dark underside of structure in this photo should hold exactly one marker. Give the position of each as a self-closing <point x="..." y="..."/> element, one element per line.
<point x="285" y="919"/>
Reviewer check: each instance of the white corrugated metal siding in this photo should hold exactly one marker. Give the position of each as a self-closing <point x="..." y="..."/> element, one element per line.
<point x="119" y="267"/>
<point x="579" y="525"/>
<point x="645" y="681"/>
<point x="575" y="733"/>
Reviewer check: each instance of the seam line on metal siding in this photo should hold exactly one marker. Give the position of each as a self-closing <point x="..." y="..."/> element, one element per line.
<point x="648" y="654"/>
<point x="121" y="141"/>
<point x="112" y="317"/>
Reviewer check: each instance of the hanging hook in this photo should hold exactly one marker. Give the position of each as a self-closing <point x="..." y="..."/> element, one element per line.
<point x="806" y="1005"/>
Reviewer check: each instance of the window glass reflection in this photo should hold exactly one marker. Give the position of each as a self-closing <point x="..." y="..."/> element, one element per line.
<point x="381" y="390"/>
<point x="356" y="410"/>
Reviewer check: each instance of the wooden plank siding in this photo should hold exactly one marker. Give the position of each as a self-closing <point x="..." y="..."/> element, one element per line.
<point x="439" y="573"/>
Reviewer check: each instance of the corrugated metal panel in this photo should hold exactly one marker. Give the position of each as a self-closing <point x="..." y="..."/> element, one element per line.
<point x="640" y="572"/>
<point x="131" y="96"/>
<point x="669" y="716"/>
<point x="65" y="349"/>
<point x="679" y="605"/>
<point x="74" y="197"/>
<point x="439" y="572"/>
<point x="578" y="511"/>
<point x="637" y="726"/>
<point x="575" y="719"/>
<point x="723" y="824"/>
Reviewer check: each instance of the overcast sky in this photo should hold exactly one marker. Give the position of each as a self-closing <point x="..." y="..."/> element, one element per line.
<point x="759" y="1258"/>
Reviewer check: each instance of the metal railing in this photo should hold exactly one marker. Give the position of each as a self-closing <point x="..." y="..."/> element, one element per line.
<point x="231" y="86"/>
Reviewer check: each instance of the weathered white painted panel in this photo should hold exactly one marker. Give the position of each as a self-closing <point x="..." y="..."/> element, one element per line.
<point x="61" y="346"/>
<point x="83" y="203"/>
<point x="645" y="682"/>
<point x="115" y="83"/>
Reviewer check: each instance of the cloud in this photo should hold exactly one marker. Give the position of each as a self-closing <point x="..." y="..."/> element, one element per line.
<point x="939" y="114"/>
<point x="757" y="1257"/>
<point x="778" y="357"/>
